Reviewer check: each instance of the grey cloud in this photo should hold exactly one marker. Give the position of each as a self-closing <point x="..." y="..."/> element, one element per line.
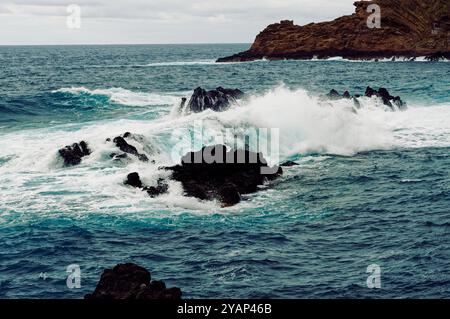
<point x="170" y="20"/>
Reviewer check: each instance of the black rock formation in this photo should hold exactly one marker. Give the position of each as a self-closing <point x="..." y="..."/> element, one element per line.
<point x="387" y="99"/>
<point x="382" y="93"/>
<point x="217" y="100"/>
<point x="124" y="146"/>
<point x="134" y="180"/>
<point x="217" y="174"/>
<point x="72" y="154"/>
<point x="159" y="189"/>
<point x="131" y="282"/>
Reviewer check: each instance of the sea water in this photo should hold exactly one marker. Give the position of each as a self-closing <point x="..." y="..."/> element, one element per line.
<point x="372" y="186"/>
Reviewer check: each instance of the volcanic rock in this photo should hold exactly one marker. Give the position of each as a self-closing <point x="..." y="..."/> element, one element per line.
<point x="124" y="146"/>
<point x="409" y="28"/>
<point x="131" y="282"/>
<point x="134" y="180"/>
<point x="387" y="98"/>
<point x="72" y="154"/>
<point x="217" y="100"/>
<point x="382" y="93"/>
<point x="214" y="173"/>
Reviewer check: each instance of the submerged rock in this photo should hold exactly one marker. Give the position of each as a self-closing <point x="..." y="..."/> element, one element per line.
<point x="129" y="282"/>
<point x="161" y="188"/>
<point x="72" y="154"/>
<point x="438" y="56"/>
<point x="217" y="100"/>
<point x="214" y="173"/>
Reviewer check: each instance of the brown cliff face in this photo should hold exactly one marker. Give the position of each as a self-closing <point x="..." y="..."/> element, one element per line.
<point x="409" y="28"/>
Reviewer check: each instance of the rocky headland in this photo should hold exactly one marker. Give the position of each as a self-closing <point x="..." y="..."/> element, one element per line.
<point x="408" y="28"/>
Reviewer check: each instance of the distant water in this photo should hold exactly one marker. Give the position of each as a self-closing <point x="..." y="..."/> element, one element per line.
<point x="371" y="188"/>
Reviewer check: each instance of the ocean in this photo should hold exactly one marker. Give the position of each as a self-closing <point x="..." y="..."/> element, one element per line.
<point x="371" y="187"/>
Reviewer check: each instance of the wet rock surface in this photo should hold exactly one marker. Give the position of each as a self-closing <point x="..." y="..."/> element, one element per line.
<point x="214" y="173"/>
<point x="217" y="100"/>
<point x="125" y="147"/>
<point x="382" y="93"/>
<point x="134" y="180"/>
<point x="130" y="281"/>
<point x="72" y="154"/>
<point x="409" y="28"/>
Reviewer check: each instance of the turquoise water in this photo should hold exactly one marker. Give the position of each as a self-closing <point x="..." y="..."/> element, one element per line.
<point x="372" y="187"/>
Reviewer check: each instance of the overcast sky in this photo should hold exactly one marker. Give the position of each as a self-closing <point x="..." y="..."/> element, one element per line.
<point x="156" y="21"/>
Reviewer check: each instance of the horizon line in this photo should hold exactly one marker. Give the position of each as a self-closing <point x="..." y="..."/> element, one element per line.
<point x="115" y="44"/>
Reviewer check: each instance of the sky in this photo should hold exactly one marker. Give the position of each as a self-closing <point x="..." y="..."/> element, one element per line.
<point x="37" y="22"/>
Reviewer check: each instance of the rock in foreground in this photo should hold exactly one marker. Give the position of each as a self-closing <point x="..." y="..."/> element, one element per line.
<point x="217" y="174"/>
<point x="409" y="28"/>
<point x="130" y="281"/>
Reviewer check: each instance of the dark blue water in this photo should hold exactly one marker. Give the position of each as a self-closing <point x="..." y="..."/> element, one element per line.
<point x="371" y="187"/>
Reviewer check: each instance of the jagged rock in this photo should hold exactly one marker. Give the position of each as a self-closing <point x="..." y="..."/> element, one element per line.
<point x="387" y="99"/>
<point x="409" y="28"/>
<point x="382" y="93"/>
<point x="370" y="92"/>
<point x="217" y="100"/>
<point x="334" y="95"/>
<point x="214" y="173"/>
<point x="72" y="154"/>
<point x="123" y="145"/>
<point x="134" y="180"/>
<point x="130" y="282"/>
<point x="147" y="145"/>
<point x="437" y="57"/>
<point x="346" y="95"/>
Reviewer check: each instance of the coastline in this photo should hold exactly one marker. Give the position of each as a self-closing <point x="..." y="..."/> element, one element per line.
<point x="407" y="29"/>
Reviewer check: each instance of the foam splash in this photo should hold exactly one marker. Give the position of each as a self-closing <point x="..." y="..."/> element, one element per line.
<point x="391" y="59"/>
<point x="124" y="97"/>
<point x="183" y="63"/>
<point x="32" y="179"/>
<point x="200" y="62"/>
<point x="307" y="124"/>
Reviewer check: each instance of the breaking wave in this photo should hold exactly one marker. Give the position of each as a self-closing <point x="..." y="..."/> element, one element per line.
<point x="308" y="125"/>
<point x="123" y="96"/>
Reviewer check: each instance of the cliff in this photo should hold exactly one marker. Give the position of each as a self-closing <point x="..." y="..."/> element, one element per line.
<point x="409" y="28"/>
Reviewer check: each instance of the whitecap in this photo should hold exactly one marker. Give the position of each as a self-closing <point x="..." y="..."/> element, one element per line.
<point x="125" y="97"/>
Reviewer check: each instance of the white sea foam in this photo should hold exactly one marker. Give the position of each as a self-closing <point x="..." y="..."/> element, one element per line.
<point x="181" y="63"/>
<point x="33" y="180"/>
<point x="126" y="97"/>
<point x="200" y="62"/>
<point x="391" y="59"/>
